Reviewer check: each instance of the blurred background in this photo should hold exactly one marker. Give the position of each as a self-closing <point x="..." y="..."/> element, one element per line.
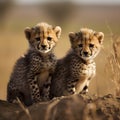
<point x="71" y="15"/>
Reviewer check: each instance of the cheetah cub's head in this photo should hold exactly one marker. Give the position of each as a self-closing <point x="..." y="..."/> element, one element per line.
<point x="42" y="37"/>
<point x="86" y="43"/>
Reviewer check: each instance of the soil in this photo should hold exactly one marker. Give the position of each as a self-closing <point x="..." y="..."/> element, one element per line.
<point x="75" y="107"/>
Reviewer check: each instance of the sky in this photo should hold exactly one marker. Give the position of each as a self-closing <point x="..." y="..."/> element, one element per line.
<point x="77" y="1"/>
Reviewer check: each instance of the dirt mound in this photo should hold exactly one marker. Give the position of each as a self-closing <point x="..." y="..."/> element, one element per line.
<point x="75" y="107"/>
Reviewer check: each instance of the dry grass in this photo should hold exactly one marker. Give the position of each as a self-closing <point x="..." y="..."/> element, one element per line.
<point x="26" y="111"/>
<point x="113" y="64"/>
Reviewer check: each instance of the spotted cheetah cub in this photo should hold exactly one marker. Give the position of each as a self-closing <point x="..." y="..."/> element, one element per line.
<point x="74" y="72"/>
<point x="29" y="77"/>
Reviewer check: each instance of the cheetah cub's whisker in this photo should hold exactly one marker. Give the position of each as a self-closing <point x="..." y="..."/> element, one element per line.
<point x="29" y="79"/>
<point x="74" y="72"/>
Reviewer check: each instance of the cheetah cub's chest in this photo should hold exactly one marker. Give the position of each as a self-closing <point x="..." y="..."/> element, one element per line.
<point x="84" y="73"/>
<point x="48" y="65"/>
<point x="87" y="70"/>
<point x="48" y="68"/>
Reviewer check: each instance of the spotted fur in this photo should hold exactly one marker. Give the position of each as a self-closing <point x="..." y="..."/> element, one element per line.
<point x="74" y="72"/>
<point x="29" y="79"/>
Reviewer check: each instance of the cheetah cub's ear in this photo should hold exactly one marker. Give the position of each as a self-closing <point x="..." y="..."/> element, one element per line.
<point x="72" y="36"/>
<point x="28" y="32"/>
<point x="57" y="30"/>
<point x="100" y="36"/>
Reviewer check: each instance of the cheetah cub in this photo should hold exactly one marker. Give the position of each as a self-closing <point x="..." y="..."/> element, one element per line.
<point x="29" y="78"/>
<point x="74" y="72"/>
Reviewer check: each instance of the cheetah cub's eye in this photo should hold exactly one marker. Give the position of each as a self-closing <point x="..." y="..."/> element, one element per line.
<point x="49" y="38"/>
<point x="91" y="45"/>
<point x="80" y="45"/>
<point x="38" y="38"/>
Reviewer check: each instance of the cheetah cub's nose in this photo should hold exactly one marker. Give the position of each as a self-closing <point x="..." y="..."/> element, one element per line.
<point x="85" y="53"/>
<point x="43" y="46"/>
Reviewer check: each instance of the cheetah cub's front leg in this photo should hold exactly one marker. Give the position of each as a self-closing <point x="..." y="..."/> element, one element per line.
<point x="71" y="86"/>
